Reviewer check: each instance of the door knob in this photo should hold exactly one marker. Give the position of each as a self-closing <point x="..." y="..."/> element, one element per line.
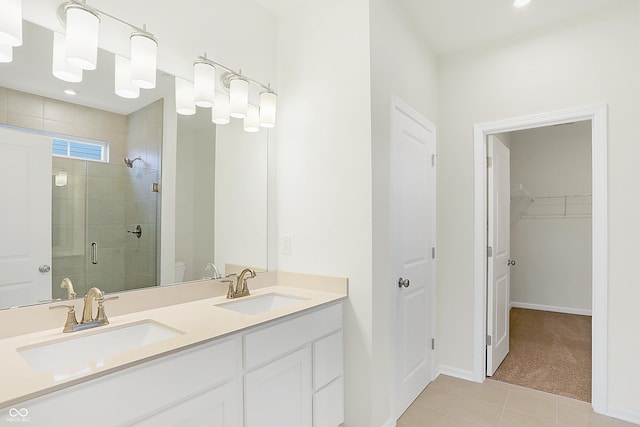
<point x="44" y="268"/>
<point x="511" y="262"/>
<point x="403" y="282"/>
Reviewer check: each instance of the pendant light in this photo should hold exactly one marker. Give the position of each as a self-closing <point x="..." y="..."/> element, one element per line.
<point x="252" y="120"/>
<point x="11" y="23"/>
<point x="268" y="102"/>
<point x="220" y="111"/>
<point x="60" y="68"/>
<point x="123" y="84"/>
<point x="144" y="50"/>
<point x="185" y="104"/>
<point x="6" y="53"/>
<point x="82" y="36"/>
<point x="204" y="83"/>
<point x="238" y="97"/>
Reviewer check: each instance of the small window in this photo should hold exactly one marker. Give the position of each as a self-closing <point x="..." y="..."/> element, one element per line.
<point x="97" y="151"/>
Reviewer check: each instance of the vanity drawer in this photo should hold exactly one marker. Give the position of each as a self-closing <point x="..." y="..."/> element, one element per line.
<point x="270" y="342"/>
<point x="327" y="360"/>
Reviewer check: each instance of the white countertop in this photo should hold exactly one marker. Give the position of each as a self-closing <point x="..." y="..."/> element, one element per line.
<point x="199" y="321"/>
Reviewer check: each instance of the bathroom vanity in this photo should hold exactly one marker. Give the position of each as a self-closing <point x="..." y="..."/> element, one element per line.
<point x="274" y="358"/>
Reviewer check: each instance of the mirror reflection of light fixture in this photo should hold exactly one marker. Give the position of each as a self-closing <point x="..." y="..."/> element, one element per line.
<point x="11" y="23"/>
<point x="204" y="83"/>
<point x="521" y="3"/>
<point x="144" y="50"/>
<point x="61" y="179"/>
<point x="185" y="104"/>
<point x="60" y="67"/>
<point x="238" y="97"/>
<point x="123" y="85"/>
<point x="220" y="111"/>
<point x="6" y="53"/>
<point x="82" y="36"/>
<point x="268" y="102"/>
<point x="252" y="120"/>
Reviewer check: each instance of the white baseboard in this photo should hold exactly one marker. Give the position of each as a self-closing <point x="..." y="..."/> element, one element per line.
<point x="624" y="415"/>
<point x="463" y="374"/>
<point x="568" y="310"/>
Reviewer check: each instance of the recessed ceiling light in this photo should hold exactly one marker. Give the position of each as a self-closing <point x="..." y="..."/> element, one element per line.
<point x="520" y="3"/>
<point x="70" y="92"/>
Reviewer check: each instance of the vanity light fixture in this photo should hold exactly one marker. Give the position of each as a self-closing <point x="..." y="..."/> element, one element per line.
<point x="60" y="67"/>
<point x="220" y="111"/>
<point x="268" y="101"/>
<point x="252" y="120"/>
<point x="144" y="52"/>
<point x="70" y="92"/>
<point x="82" y="36"/>
<point x="520" y="3"/>
<point x="124" y="87"/>
<point x="204" y="82"/>
<point x="6" y="53"/>
<point x="238" y="97"/>
<point x="11" y="23"/>
<point x="185" y="103"/>
<point x="61" y="179"/>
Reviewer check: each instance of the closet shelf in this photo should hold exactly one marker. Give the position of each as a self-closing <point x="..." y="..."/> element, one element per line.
<point x="559" y="206"/>
<point x="521" y="199"/>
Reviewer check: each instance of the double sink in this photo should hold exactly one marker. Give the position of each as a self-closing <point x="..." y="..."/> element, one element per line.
<point x="81" y="354"/>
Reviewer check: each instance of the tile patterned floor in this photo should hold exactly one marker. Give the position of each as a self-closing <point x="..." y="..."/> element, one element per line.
<point x="451" y="402"/>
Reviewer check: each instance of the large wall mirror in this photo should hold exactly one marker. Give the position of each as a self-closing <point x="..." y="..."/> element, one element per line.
<point x="97" y="201"/>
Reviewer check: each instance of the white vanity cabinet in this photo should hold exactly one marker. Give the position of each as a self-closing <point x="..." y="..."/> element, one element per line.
<point x="286" y="372"/>
<point x="198" y="386"/>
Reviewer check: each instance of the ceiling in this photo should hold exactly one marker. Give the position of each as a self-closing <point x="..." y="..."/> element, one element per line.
<point x="449" y="26"/>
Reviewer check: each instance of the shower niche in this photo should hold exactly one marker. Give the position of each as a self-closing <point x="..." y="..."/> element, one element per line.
<point x="93" y="216"/>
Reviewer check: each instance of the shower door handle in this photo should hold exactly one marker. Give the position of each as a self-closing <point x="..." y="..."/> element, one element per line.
<point x="94" y="253"/>
<point x="44" y="268"/>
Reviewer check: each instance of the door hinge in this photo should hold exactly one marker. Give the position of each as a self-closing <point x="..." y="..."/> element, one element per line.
<point x="433" y="343"/>
<point x="489" y="162"/>
<point x="489" y="251"/>
<point x="433" y="253"/>
<point x="433" y="160"/>
<point x="488" y="340"/>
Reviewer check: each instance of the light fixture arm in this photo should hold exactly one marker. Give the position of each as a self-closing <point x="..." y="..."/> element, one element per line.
<point x="62" y="16"/>
<point x="234" y="73"/>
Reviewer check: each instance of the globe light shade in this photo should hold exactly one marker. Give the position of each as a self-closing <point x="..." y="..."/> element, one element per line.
<point x="220" y="111"/>
<point x="123" y="85"/>
<point x="204" y="83"/>
<point x="6" y="53"/>
<point x="60" y="68"/>
<point x="185" y="104"/>
<point x="252" y="120"/>
<point x="82" y="37"/>
<point x="268" y="101"/>
<point x="238" y="98"/>
<point x="11" y="23"/>
<point x="144" y="52"/>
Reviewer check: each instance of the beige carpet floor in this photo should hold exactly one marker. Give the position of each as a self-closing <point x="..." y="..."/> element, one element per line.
<point x="549" y="352"/>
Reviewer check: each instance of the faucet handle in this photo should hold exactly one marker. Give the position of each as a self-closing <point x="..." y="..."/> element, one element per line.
<point x="101" y="316"/>
<point x="71" y="316"/>
<point x="230" y="289"/>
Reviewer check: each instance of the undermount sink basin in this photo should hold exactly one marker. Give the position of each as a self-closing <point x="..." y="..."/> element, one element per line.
<point x="79" y="354"/>
<point x="260" y="303"/>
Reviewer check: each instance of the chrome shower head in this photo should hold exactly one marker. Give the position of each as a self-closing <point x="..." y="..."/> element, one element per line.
<point x="129" y="162"/>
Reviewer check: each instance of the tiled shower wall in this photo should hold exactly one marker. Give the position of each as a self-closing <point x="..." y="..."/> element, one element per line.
<point x="100" y="202"/>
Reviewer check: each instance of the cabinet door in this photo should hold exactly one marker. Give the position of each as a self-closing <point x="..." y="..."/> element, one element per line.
<point x="279" y="394"/>
<point x="217" y="407"/>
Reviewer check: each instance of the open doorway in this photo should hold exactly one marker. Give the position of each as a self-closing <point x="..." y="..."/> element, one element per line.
<point x="598" y="118"/>
<point x="549" y="311"/>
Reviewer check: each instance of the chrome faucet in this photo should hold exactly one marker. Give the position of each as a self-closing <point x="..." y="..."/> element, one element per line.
<point x="88" y="321"/>
<point x="242" y="290"/>
<point x="212" y="268"/>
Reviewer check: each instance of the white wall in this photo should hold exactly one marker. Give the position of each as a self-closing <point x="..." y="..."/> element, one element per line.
<point x="403" y="65"/>
<point x="324" y="167"/>
<point x="595" y="59"/>
<point x="553" y="251"/>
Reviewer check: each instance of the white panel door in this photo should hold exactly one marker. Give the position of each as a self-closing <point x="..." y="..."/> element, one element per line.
<point x="498" y="235"/>
<point x="412" y="225"/>
<point x="25" y="218"/>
